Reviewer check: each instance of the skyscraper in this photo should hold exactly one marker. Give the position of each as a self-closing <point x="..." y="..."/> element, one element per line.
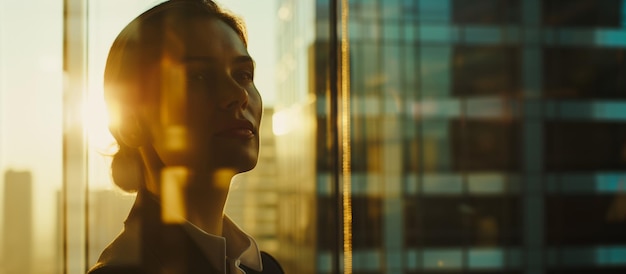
<point x="18" y="222"/>
<point x="253" y="196"/>
<point x="108" y="209"/>
<point x="487" y="135"/>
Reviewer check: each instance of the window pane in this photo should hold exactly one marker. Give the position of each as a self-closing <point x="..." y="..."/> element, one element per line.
<point x="584" y="73"/>
<point x="494" y="123"/>
<point x="486" y="136"/>
<point x="485" y="145"/>
<point x="486" y="12"/>
<point x="594" y="216"/>
<point x="31" y="136"/>
<point x="486" y="71"/>
<point x="583" y="13"/>
<point x="108" y="205"/>
<point x="584" y="146"/>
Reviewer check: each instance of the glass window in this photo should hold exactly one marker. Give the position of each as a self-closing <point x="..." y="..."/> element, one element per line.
<point x="32" y="136"/>
<point x="392" y="9"/>
<point x="584" y="220"/>
<point x="584" y="146"/>
<point x="434" y="11"/>
<point x="445" y="221"/>
<point x="584" y="73"/>
<point x="476" y="136"/>
<point x="580" y="270"/>
<point x="108" y="205"/>
<point x="487" y="12"/>
<point x="583" y="13"/>
<point x="485" y="145"/>
<point x="367" y="215"/>
<point x="486" y="71"/>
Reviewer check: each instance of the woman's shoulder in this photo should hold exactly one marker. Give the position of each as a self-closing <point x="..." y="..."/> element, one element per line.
<point x="123" y="255"/>
<point x="270" y="265"/>
<point x="111" y="269"/>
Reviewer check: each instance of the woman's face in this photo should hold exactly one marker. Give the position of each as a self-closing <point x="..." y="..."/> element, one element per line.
<point x="209" y="110"/>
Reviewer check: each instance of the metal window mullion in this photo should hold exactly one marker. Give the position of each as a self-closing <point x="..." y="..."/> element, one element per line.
<point x="74" y="198"/>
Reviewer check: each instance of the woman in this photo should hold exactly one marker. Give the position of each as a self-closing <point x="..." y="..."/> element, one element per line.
<point x="179" y="87"/>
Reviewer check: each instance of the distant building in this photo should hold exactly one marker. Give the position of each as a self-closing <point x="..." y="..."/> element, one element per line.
<point x="18" y="223"/>
<point x="488" y="136"/>
<point x="108" y="209"/>
<point x="253" y="197"/>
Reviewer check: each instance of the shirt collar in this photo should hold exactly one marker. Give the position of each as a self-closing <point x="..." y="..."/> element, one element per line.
<point x="235" y="245"/>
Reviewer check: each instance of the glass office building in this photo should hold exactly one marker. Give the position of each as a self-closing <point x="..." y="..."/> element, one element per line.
<point x="487" y="136"/>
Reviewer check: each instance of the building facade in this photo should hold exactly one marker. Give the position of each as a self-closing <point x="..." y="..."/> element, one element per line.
<point x="487" y="136"/>
<point x="18" y="242"/>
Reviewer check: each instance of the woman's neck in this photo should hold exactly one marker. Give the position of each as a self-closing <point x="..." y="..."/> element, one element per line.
<point x="196" y="196"/>
<point x="205" y="207"/>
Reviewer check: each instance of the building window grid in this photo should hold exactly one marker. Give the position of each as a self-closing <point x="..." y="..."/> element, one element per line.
<point x="559" y="252"/>
<point x="512" y="35"/>
<point x="464" y="114"/>
<point x="464" y="191"/>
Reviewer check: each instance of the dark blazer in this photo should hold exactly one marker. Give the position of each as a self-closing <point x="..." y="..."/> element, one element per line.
<point x="149" y="246"/>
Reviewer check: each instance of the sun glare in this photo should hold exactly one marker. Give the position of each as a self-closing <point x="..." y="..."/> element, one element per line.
<point x="96" y="122"/>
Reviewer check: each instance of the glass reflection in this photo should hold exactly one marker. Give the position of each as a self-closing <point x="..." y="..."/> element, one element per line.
<point x="486" y="136"/>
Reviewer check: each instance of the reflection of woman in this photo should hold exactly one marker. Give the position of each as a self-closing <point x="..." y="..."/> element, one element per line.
<point x="186" y="113"/>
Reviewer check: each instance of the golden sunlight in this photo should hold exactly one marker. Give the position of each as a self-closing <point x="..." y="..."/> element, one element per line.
<point x="96" y="121"/>
<point x="173" y="181"/>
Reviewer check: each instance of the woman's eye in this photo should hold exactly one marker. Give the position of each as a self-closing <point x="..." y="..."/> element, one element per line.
<point x="244" y="76"/>
<point x="196" y="77"/>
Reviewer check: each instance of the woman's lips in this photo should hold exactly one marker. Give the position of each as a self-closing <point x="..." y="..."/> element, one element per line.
<point x="238" y="128"/>
<point x="239" y="133"/>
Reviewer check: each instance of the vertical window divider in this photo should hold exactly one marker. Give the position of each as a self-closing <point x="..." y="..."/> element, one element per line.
<point x="74" y="191"/>
<point x="345" y="138"/>
<point x="334" y="128"/>
<point x="339" y="129"/>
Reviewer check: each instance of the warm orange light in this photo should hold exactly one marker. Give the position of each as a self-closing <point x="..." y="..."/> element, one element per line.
<point x="223" y="177"/>
<point x="282" y="122"/>
<point x="173" y="183"/>
<point x="345" y="138"/>
<point x="96" y="120"/>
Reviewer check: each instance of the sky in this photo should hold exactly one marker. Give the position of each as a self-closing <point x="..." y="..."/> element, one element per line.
<point x="31" y="88"/>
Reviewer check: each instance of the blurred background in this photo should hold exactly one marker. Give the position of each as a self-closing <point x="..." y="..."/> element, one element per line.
<point x="486" y="136"/>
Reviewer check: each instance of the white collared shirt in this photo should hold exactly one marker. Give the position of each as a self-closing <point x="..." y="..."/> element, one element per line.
<point x="229" y="251"/>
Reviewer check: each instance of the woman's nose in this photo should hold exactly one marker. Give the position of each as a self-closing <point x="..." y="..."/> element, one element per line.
<point x="233" y="96"/>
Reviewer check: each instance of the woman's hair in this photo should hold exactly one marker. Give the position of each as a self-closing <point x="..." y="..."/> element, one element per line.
<point x="133" y="61"/>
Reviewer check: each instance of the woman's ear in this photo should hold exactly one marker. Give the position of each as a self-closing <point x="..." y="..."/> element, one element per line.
<point x="131" y="131"/>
